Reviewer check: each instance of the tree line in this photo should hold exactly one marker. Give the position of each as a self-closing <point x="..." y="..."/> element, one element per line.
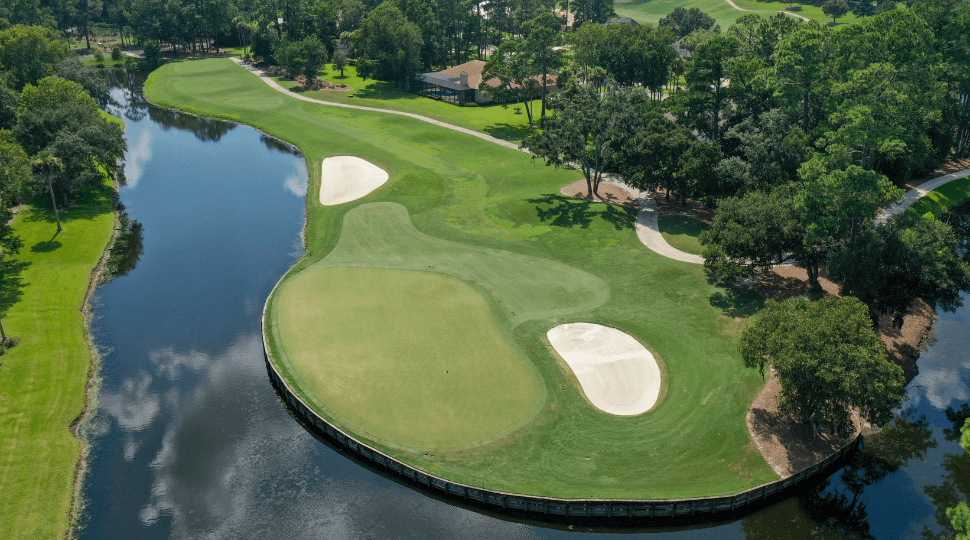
<point x="54" y="138"/>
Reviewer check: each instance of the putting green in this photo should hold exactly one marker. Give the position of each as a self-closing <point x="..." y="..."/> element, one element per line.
<point x="491" y="218"/>
<point x="411" y="357"/>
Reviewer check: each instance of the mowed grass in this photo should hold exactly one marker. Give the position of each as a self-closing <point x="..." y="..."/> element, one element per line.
<point x="682" y="233"/>
<point x="945" y="196"/>
<point x="651" y="11"/>
<point x="460" y="190"/>
<point x="43" y="379"/>
<point x="413" y="358"/>
<point x="495" y="120"/>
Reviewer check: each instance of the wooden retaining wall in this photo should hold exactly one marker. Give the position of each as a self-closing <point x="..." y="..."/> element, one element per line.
<point x="616" y="511"/>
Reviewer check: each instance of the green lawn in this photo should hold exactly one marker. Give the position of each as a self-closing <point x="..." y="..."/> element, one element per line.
<point x="411" y="358"/>
<point x="682" y="233"/>
<point x="938" y="200"/>
<point x="42" y="380"/>
<point x="651" y="11"/>
<point x="495" y="120"/>
<point x="494" y="219"/>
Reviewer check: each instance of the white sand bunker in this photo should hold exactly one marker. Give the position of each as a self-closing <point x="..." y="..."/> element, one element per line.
<point x="348" y="178"/>
<point x="617" y="373"/>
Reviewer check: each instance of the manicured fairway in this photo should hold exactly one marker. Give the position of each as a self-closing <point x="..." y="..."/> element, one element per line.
<point x="412" y="358"/>
<point x="42" y="380"/>
<point x="494" y="219"/>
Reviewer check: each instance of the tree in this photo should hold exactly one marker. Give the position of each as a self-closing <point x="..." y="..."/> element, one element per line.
<point x="835" y="8"/>
<point x="340" y="62"/>
<point x="15" y="177"/>
<point x="828" y="360"/>
<point x="91" y="79"/>
<point x="116" y="55"/>
<point x="304" y="57"/>
<point x="593" y="11"/>
<point x="768" y="150"/>
<point x="543" y="32"/>
<point x="59" y="117"/>
<point x="581" y="129"/>
<point x="30" y="53"/>
<point x="802" y="64"/>
<point x="517" y="75"/>
<point x="153" y="55"/>
<point x="707" y="91"/>
<point x="45" y="166"/>
<point x="960" y="514"/>
<point x="891" y="265"/>
<point x="752" y="232"/>
<point x="684" y="21"/>
<point x="388" y="46"/>
<point x="834" y="202"/>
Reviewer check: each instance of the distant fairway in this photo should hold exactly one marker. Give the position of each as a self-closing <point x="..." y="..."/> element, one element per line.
<point x="413" y="358"/>
<point x="651" y="11"/>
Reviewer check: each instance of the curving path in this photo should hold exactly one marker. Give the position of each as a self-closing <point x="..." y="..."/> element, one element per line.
<point x="918" y="192"/>
<point x="648" y="231"/>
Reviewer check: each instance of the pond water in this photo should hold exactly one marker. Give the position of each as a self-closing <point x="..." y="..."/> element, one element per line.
<point x="190" y="440"/>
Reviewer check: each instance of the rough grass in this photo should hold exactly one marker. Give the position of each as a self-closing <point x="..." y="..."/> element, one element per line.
<point x="682" y="233"/>
<point x="42" y="380"/>
<point x="459" y="189"/>
<point x="937" y="201"/>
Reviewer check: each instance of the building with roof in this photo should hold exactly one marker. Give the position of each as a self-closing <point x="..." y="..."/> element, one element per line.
<point x="458" y="85"/>
<point x="622" y="20"/>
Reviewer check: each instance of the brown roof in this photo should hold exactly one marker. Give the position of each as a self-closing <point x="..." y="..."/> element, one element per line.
<point x="474" y="69"/>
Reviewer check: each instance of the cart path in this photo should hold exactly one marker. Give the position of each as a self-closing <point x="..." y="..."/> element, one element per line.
<point x="647" y="228"/>
<point x="917" y="193"/>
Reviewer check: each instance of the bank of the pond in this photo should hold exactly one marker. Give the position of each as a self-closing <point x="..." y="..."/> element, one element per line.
<point x="44" y="380"/>
<point x="457" y="190"/>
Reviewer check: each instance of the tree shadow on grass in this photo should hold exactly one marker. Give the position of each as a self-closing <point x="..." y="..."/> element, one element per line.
<point x="737" y="300"/>
<point x="83" y="206"/>
<point x="507" y="132"/>
<point x="11" y="283"/>
<point x="563" y="211"/>
<point x="46" y="246"/>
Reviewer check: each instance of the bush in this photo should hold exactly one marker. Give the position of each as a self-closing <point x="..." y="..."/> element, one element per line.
<point x="99" y="58"/>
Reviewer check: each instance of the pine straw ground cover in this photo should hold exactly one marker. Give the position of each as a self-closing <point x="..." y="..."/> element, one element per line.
<point x="464" y="196"/>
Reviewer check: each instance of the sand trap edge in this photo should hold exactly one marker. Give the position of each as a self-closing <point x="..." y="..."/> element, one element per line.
<point x="616" y="372"/>
<point x="348" y="178"/>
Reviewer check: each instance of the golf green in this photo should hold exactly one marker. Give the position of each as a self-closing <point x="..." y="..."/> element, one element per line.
<point x="483" y="220"/>
<point x="413" y="358"/>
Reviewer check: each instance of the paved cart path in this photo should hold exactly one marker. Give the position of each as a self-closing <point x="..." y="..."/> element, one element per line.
<point x="648" y="230"/>
<point x="919" y="192"/>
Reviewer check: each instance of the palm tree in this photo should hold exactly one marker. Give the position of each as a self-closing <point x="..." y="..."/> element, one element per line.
<point x="46" y="165"/>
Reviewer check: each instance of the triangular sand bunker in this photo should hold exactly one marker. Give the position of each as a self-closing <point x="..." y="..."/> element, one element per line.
<point x="617" y="373"/>
<point x="348" y="178"/>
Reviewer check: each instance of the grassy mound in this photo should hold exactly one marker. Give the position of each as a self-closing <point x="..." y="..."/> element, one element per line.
<point x="492" y="218"/>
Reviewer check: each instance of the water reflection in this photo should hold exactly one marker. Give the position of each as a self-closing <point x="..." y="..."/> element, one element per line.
<point x="127" y="248"/>
<point x="191" y="441"/>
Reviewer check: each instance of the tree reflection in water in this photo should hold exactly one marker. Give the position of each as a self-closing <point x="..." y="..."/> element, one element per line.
<point x="126" y="250"/>
<point x="956" y="481"/>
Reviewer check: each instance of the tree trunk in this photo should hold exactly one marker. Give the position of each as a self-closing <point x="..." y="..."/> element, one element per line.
<point x="54" y="206"/>
<point x="3" y="333"/>
<point x="542" y="116"/>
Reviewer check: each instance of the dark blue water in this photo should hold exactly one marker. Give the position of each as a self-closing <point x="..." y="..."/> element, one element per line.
<point x="190" y="440"/>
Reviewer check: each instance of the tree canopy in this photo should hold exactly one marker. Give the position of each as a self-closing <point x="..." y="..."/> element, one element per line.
<point x="828" y="360"/>
<point x="388" y="45"/>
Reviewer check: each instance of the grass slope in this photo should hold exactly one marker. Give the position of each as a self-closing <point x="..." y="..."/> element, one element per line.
<point x="42" y="380"/>
<point x="938" y="200"/>
<point x="457" y="188"/>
